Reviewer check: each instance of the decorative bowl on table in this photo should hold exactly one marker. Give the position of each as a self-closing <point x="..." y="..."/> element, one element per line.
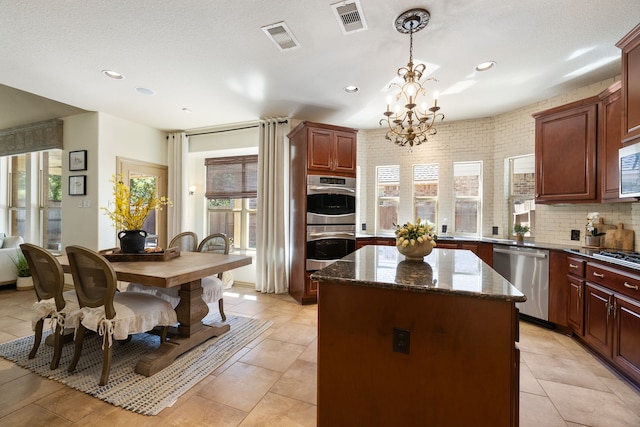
<point x="415" y="252"/>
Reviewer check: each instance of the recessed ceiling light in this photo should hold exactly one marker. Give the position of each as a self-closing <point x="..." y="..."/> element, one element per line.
<point x="113" y="74"/>
<point x="351" y="89"/>
<point x="145" y="91"/>
<point x="485" y="66"/>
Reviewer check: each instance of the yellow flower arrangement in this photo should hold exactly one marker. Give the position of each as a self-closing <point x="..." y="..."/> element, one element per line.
<point x="131" y="210"/>
<point x="410" y="234"/>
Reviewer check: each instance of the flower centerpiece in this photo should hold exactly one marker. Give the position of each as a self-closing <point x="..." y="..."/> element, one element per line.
<point x="130" y="210"/>
<point x="415" y="241"/>
<point x="593" y="235"/>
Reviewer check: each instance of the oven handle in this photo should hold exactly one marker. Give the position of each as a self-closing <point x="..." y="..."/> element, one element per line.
<point x="313" y="189"/>
<point x="332" y="234"/>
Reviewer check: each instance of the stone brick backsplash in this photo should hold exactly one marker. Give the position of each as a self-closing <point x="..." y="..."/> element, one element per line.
<point x="491" y="140"/>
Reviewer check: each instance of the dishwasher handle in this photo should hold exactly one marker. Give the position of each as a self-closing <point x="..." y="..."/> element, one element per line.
<point x="522" y="253"/>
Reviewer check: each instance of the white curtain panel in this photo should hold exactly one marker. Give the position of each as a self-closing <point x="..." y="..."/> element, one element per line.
<point x="273" y="206"/>
<point x="178" y="150"/>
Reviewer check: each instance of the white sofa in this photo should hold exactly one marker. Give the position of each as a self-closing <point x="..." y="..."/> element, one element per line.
<point x="8" y="253"/>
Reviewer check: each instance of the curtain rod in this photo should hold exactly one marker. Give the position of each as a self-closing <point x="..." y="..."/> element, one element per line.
<point x="231" y="130"/>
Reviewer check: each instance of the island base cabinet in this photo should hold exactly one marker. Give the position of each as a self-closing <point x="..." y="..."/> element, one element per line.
<point x="459" y="367"/>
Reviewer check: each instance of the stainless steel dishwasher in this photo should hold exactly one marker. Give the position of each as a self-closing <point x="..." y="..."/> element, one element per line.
<point x="528" y="270"/>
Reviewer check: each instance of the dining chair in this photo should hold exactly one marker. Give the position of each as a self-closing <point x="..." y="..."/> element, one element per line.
<point x="53" y="303"/>
<point x="115" y="315"/>
<point x="212" y="286"/>
<point x="187" y="241"/>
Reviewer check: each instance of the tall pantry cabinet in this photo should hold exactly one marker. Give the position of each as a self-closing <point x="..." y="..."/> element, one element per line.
<point x="314" y="149"/>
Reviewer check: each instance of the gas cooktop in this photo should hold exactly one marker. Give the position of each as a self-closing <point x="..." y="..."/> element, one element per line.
<point x="628" y="259"/>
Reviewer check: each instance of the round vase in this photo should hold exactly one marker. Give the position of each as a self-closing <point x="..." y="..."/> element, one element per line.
<point x="415" y="252"/>
<point x="132" y="241"/>
<point x="24" y="283"/>
<point x="520" y="238"/>
<point x="593" y="241"/>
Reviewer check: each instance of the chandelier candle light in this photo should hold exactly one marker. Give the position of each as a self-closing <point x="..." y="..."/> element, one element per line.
<point x="414" y="123"/>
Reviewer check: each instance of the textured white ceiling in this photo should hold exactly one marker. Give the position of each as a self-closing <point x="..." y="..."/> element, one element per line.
<point x="213" y="58"/>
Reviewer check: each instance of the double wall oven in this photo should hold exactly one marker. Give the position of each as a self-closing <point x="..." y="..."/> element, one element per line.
<point x="331" y="219"/>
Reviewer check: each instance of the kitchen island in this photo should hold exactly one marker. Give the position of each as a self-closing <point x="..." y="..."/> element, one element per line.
<point x="416" y="343"/>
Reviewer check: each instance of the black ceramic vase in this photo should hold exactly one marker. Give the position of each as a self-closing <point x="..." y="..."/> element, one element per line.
<point x="132" y="241"/>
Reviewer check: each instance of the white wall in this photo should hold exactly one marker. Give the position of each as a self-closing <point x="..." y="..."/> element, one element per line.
<point x="80" y="225"/>
<point x="104" y="137"/>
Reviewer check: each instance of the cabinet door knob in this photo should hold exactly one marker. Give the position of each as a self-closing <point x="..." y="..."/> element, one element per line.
<point x="627" y="285"/>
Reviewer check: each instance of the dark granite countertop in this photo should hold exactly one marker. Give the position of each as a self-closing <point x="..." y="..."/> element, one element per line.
<point x="527" y="243"/>
<point x="444" y="270"/>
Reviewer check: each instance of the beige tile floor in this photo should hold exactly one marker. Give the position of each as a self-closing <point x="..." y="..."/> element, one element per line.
<point x="272" y="382"/>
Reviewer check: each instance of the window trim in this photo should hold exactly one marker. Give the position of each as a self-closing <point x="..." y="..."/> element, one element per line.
<point x="379" y="198"/>
<point x="435" y="198"/>
<point x="478" y="198"/>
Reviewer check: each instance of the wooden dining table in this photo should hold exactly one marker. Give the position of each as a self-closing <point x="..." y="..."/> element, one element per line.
<point x="185" y="271"/>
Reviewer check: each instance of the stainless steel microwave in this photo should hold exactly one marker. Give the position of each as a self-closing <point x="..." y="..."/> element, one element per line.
<point x="629" y="165"/>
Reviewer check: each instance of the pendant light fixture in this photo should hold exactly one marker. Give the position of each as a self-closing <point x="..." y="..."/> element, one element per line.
<point x="410" y="121"/>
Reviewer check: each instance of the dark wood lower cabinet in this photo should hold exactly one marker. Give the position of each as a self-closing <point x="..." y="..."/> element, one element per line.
<point x="626" y="337"/>
<point x="382" y="241"/>
<point x="484" y="251"/>
<point x="598" y="331"/>
<point x="575" y="306"/>
<point x="612" y="328"/>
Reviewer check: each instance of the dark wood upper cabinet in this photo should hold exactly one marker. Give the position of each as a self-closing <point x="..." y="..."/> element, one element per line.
<point x="609" y="141"/>
<point x="565" y="151"/>
<point x="331" y="150"/>
<point x="630" y="46"/>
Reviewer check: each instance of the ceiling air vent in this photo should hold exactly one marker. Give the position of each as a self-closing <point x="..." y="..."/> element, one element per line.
<point x="349" y="15"/>
<point x="281" y="35"/>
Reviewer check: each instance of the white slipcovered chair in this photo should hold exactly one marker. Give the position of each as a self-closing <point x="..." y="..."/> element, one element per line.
<point x="53" y="303"/>
<point x="114" y="315"/>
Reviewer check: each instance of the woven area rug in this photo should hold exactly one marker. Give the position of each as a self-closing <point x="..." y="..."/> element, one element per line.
<point x="135" y="392"/>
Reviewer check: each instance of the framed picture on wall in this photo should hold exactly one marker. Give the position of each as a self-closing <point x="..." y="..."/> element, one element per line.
<point x="78" y="160"/>
<point x="78" y="185"/>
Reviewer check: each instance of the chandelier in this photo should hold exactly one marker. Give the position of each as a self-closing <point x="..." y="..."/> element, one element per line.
<point x="411" y="123"/>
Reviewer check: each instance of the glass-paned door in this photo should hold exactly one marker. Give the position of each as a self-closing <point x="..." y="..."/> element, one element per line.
<point x="143" y="177"/>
